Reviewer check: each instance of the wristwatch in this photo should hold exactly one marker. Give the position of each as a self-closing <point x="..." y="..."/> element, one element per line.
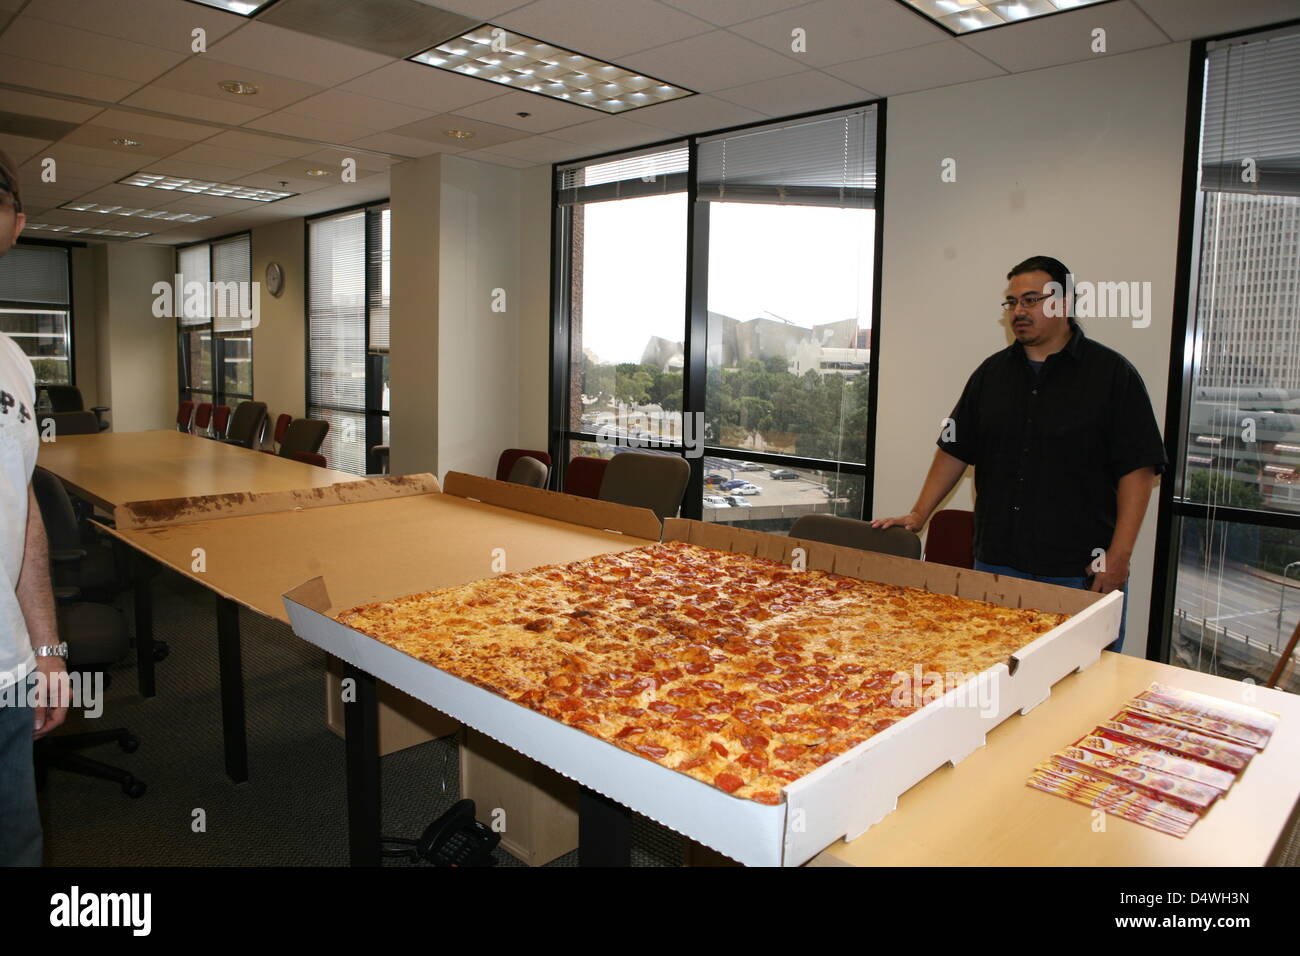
<point x="53" y="650"/>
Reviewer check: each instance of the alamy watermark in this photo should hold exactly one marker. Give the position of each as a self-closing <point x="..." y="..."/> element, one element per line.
<point x="636" y="428"/>
<point x="228" y="301"/>
<point x="915" y="689"/>
<point x="76" y="691"/>
<point x="1100" y="300"/>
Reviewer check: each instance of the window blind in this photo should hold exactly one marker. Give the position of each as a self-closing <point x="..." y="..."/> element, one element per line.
<point x="231" y="263"/>
<point x="336" y="310"/>
<point x="378" y="256"/>
<point x="645" y="173"/>
<point x="193" y="264"/>
<point x="1251" y="116"/>
<point x="819" y="161"/>
<point x="34" y="275"/>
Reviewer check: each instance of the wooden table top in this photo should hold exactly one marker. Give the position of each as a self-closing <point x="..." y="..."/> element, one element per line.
<point x="112" y="468"/>
<point x="981" y="813"/>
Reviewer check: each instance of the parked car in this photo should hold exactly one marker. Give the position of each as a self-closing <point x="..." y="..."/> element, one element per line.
<point x="749" y="466"/>
<point x="745" y="488"/>
<point x="734" y="483"/>
<point x="717" y="501"/>
<point x="785" y="474"/>
<point x="715" y="479"/>
<point x="737" y="502"/>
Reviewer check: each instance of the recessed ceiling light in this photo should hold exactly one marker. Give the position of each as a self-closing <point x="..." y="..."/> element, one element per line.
<point x="318" y="172"/>
<point x="238" y="87"/>
<point x="123" y="141"/>
<point x="458" y="133"/>
<point x="245" y="8"/>
<point x="87" y="231"/>
<point x="203" y="187"/>
<point x="492" y="53"/>
<point x="164" y="214"/>
<point x="968" y="16"/>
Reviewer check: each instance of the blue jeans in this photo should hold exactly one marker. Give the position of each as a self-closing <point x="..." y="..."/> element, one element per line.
<point x="1067" y="582"/>
<point x="20" y="822"/>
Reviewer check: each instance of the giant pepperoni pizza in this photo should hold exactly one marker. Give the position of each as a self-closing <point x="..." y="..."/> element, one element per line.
<point x="734" y="669"/>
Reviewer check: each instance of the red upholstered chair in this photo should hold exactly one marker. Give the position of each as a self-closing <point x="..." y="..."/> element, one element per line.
<point x="584" y="475"/>
<point x="185" y="416"/>
<point x="311" y="458"/>
<point x="281" y="426"/>
<point x="202" y="417"/>
<point x="951" y="538"/>
<point x="508" y="458"/>
<point x="220" y="420"/>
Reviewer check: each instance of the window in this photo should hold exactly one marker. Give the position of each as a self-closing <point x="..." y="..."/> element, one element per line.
<point x="755" y="343"/>
<point x="214" y="331"/>
<point x="1234" y="539"/>
<point x="347" y="331"/>
<point x="36" y="309"/>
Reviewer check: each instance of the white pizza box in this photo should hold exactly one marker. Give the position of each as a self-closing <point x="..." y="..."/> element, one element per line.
<point x="839" y="800"/>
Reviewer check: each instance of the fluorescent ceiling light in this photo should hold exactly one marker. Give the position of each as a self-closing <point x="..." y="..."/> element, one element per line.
<point x="522" y="63"/>
<point x="245" y="8"/>
<point x="969" y="16"/>
<point x="202" y="187"/>
<point x="87" y="231"/>
<point x="162" y="214"/>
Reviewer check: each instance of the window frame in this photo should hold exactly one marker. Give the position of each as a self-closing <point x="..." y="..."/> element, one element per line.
<point x="67" y="248"/>
<point x="219" y="393"/>
<point x="695" y="327"/>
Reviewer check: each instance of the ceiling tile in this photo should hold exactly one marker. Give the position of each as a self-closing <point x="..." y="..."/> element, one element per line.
<point x="394" y="28"/>
<point x="486" y="135"/>
<point x="612" y="132"/>
<point x="193" y="106"/>
<point x="158" y="23"/>
<point x="1066" y="37"/>
<point x="293" y="180"/>
<point x="238" y="160"/>
<point x="192" y="169"/>
<point x="366" y="111"/>
<point x="726" y="12"/>
<point x="117" y="194"/>
<point x="800" y="93"/>
<point x="56" y="79"/>
<point x="325" y="131"/>
<point x="545" y="113"/>
<point x="69" y="47"/>
<point x="35" y="127"/>
<point x="603" y="28"/>
<point x="401" y="145"/>
<point x="539" y="149"/>
<point x="839" y="30"/>
<point x="332" y="159"/>
<point x="478" y="9"/>
<point x="712" y="61"/>
<point x="202" y="75"/>
<point x="140" y="123"/>
<point x="46" y="107"/>
<point x="423" y="87"/>
<point x="22" y="148"/>
<point x="259" y="143"/>
<point x="1192" y="19"/>
<point x="921" y="68"/>
<point x="271" y="49"/>
<point x="695" y="114"/>
<point x="65" y="153"/>
<point x="101" y="138"/>
<point x="496" y="159"/>
<point x="38" y="195"/>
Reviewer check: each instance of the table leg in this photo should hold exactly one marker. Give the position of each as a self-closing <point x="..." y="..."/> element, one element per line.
<point x="604" y="830"/>
<point x="361" y="725"/>
<point x="141" y="581"/>
<point x="232" y="689"/>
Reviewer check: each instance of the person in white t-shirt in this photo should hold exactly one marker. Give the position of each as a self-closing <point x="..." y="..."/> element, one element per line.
<point x="30" y="652"/>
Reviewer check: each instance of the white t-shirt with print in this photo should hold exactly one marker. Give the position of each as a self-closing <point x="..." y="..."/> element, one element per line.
<point x="18" y="444"/>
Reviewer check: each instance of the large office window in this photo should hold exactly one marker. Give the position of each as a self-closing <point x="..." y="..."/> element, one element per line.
<point x="1235" y="535"/>
<point x="214" y="333"/>
<point x="347" y="331"/>
<point x="731" y="302"/>
<point x="36" y="309"/>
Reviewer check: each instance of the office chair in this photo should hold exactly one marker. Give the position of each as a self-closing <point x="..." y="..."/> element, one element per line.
<point x="379" y="457"/>
<point x="202" y="418"/>
<point x="70" y="423"/>
<point x="584" y="475"/>
<point x="185" y="417"/>
<point x="303" y="434"/>
<point x="649" y="481"/>
<point x="309" y="458"/>
<point x="282" y="422"/>
<point x="529" y="471"/>
<point x="852" y="533"/>
<point x="511" y="455"/>
<point x="246" y="425"/>
<point x="67" y="398"/>
<point x="220" y="421"/>
<point x="951" y="538"/>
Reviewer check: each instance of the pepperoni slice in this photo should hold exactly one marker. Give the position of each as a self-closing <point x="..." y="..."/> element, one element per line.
<point x="570" y="703"/>
<point x="700" y="667"/>
<point x="768" y="707"/>
<point x="663" y="707"/>
<point x="754" y="742"/>
<point x="789" y="752"/>
<point x="728" y="782"/>
<point x="714" y="725"/>
<point x="541" y="624"/>
<point x="692" y="763"/>
<point x="843" y="723"/>
<point x="719" y="749"/>
<point x="672" y="673"/>
<point x="631" y="711"/>
<point x="785" y="774"/>
<point x="628" y="731"/>
<point x="755" y="760"/>
<point x="710" y="685"/>
<point x="766" y="796"/>
<point x="689" y="716"/>
<point x="653" y="751"/>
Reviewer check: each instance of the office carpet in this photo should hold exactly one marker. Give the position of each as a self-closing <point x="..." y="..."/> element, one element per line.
<point x="291" y="812"/>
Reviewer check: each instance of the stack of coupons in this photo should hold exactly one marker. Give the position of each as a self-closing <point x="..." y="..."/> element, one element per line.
<point x="1161" y="761"/>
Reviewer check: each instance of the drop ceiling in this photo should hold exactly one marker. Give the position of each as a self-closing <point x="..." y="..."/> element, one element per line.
<point x="80" y="78"/>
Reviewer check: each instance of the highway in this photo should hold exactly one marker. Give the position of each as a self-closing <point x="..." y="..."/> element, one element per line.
<point x="1239" y="601"/>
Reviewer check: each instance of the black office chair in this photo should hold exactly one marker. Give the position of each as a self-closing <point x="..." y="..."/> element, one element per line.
<point x="77" y="559"/>
<point x="649" y="481"/>
<point x="69" y="423"/>
<point x="852" y="533"/>
<point x="246" y="425"/>
<point x="67" y="398"/>
<point x="304" y="435"/>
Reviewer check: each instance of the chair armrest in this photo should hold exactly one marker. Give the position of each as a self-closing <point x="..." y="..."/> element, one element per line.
<point x="67" y="556"/>
<point x="66" y="594"/>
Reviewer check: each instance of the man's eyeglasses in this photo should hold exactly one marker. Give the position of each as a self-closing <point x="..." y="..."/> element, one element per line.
<point x="1028" y="300"/>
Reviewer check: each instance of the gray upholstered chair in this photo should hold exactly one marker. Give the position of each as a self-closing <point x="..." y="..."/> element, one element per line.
<point x="852" y="533"/>
<point x="528" y="471"/>
<point x="245" y="428"/>
<point x="649" y="481"/>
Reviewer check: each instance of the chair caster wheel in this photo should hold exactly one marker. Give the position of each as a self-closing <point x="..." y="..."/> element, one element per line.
<point x="129" y="744"/>
<point x="134" y="788"/>
<point x="160" y="650"/>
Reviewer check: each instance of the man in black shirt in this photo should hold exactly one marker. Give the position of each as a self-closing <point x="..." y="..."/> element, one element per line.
<point x="1064" y="442"/>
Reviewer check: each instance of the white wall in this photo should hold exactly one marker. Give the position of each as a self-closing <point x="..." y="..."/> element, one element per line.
<point x="279" y="371"/>
<point x="1082" y="162"/>
<point x="535" y="309"/>
<point x="479" y="359"/>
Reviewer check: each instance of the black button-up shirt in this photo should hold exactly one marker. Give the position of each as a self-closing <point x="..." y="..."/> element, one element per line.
<point x="1049" y="450"/>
